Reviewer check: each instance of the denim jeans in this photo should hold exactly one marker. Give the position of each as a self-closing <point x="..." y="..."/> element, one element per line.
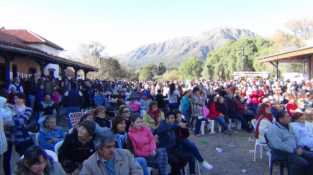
<point x="189" y="146"/>
<point x="143" y="163"/>
<point x="297" y="165"/>
<point x="159" y="161"/>
<point x="221" y="121"/>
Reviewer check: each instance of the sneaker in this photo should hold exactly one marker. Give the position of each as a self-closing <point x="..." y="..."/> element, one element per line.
<point x="206" y="165"/>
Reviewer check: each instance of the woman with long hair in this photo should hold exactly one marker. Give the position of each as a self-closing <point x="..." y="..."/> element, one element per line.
<point x="153" y="116"/>
<point x="264" y="120"/>
<point x="37" y="162"/>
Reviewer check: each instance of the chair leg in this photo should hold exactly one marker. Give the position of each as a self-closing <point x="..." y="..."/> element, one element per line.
<point x="255" y="150"/>
<point x="212" y="122"/>
<point x="261" y="152"/>
<point x="271" y="168"/>
<point x="203" y="127"/>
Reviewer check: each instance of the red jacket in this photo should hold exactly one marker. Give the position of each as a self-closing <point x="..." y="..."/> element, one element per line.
<point x="290" y="107"/>
<point x="213" y="114"/>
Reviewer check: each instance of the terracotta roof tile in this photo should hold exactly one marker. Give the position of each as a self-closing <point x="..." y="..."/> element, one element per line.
<point x="30" y="37"/>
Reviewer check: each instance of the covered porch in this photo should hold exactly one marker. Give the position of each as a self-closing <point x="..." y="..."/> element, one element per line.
<point x="18" y="60"/>
<point x="302" y="55"/>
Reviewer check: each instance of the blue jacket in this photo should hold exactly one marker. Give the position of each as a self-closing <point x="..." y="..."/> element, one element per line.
<point x="48" y="138"/>
<point x="185" y="105"/>
<point x="167" y="136"/>
<point x="281" y="138"/>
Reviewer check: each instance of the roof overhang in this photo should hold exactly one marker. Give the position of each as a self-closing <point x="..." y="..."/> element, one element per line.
<point x="14" y="49"/>
<point x="289" y="56"/>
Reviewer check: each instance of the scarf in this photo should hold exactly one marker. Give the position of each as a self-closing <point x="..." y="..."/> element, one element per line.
<point x="260" y="118"/>
<point x="155" y="115"/>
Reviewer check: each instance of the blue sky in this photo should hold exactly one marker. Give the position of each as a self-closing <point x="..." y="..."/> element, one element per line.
<point x="122" y="25"/>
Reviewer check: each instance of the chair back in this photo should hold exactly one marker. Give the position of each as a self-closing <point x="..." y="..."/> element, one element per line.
<point x="75" y="118"/>
<point x="57" y="146"/>
<point x="52" y="154"/>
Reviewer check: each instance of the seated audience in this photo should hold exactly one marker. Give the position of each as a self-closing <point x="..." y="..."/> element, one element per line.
<point x="214" y="114"/>
<point x="49" y="133"/>
<point x="153" y="116"/>
<point x="108" y="160"/>
<point x="101" y="117"/>
<point x="167" y="139"/>
<point x="303" y="134"/>
<point x="144" y="145"/>
<point x="77" y="147"/>
<point x="284" y="145"/>
<point x="182" y="134"/>
<point x="122" y="141"/>
<point x="22" y="117"/>
<point x="37" y="162"/>
<point x="263" y="122"/>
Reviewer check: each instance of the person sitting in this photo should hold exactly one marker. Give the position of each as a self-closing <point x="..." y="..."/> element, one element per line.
<point x="101" y="117"/>
<point x="108" y="160"/>
<point x="47" y="106"/>
<point x="182" y="134"/>
<point x="144" y="145"/>
<point x="214" y="114"/>
<point x="291" y="106"/>
<point x="134" y="105"/>
<point x="77" y="147"/>
<point x="153" y="116"/>
<point x="302" y="132"/>
<point x="49" y="133"/>
<point x="121" y="140"/>
<point x="263" y="122"/>
<point x="36" y="161"/>
<point x="284" y="145"/>
<point x="22" y="118"/>
<point x="167" y="139"/>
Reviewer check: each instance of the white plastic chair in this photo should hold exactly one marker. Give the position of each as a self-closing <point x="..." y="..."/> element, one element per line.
<point x="202" y="127"/>
<point x="236" y="122"/>
<point x="257" y="143"/>
<point x="52" y="154"/>
<point x="57" y="146"/>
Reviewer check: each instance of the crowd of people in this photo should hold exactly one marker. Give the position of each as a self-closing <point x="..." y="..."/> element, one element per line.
<point x="125" y="127"/>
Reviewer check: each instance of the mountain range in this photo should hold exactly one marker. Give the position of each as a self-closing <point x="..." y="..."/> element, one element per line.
<point x="173" y="52"/>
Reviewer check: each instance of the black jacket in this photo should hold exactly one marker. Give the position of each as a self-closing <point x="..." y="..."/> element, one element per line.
<point x="72" y="153"/>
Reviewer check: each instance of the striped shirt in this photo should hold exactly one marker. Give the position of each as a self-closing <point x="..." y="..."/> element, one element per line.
<point x="3" y="140"/>
<point x="20" y="131"/>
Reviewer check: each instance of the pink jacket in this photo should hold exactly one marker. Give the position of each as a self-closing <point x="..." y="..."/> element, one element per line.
<point x="142" y="140"/>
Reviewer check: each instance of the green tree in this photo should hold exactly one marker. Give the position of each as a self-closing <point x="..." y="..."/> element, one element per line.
<point x="240" y="55"/>
<point x="191" y="68"/>
<point x="161" y="68"/>
<point x="146" y="72"/>
<point x="172" y="75"/>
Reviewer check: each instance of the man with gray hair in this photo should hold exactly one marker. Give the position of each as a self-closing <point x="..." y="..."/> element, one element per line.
<point x="108" y="160"/>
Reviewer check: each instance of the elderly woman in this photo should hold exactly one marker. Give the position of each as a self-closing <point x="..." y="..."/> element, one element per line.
<point x="37" y="162"/>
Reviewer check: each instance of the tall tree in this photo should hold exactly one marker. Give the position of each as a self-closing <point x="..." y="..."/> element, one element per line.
<point x="302" y="28"/>
<point x="191" y="68"/>
<point x="240" y="55"/>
